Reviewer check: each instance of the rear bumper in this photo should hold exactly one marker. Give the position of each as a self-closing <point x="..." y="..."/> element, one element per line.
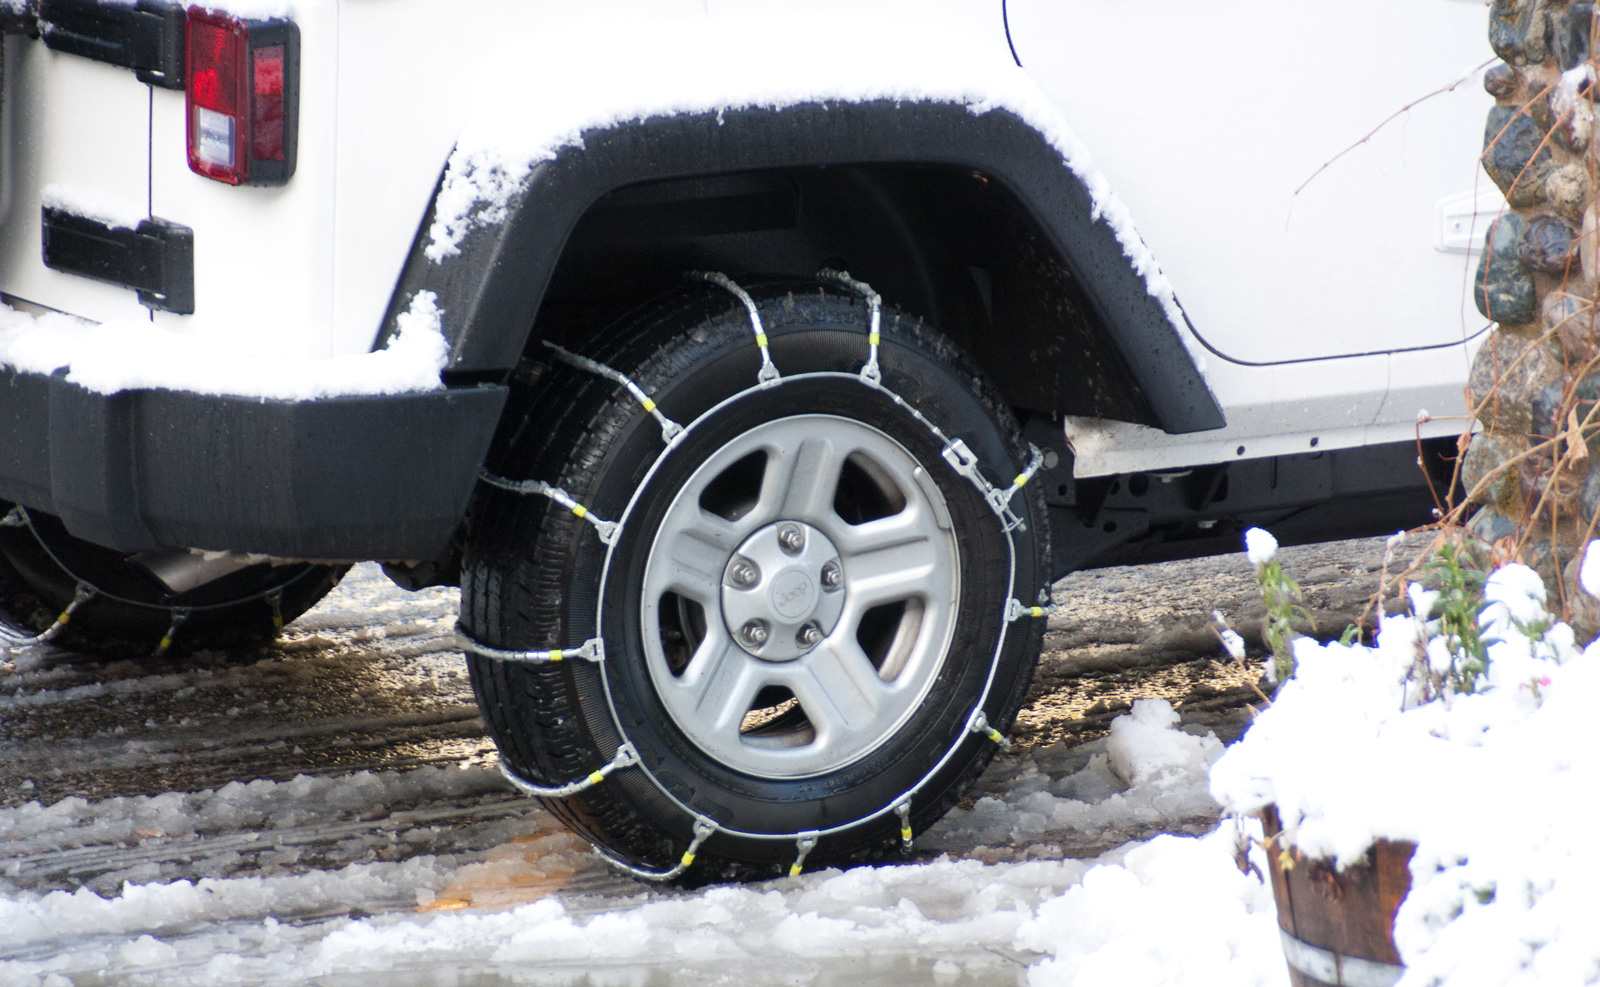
<point x="350" y="478"/>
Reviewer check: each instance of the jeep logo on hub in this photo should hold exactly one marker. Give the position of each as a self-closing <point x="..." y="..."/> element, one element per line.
<point x="793" y="594"/>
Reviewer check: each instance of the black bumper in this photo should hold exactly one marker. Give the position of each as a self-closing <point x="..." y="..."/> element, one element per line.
<point x="336" y="478"/>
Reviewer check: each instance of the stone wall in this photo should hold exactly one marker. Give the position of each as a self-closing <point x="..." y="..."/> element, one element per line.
<point x="1533" y="473"/>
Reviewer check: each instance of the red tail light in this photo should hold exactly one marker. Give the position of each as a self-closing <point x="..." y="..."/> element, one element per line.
<point x="243" y="99"/>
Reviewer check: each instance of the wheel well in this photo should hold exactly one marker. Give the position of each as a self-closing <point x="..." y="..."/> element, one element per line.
<point x="952" y="245"/>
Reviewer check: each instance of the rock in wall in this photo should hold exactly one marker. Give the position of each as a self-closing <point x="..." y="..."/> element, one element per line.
<point x="1533" y="472"/>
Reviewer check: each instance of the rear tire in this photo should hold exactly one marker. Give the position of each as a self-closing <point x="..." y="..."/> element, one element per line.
<point x="42" y="566"/>
<point x="532" y="579"/>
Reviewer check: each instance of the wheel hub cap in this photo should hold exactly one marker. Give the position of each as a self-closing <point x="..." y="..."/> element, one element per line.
<point x="788" y="595"/>
<point x="799" y="596"/>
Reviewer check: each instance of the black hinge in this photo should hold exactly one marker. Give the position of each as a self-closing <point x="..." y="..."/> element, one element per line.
<point x="155" y="258"/>
<point x="19" y="19"/>
<point x="146" y="37"/>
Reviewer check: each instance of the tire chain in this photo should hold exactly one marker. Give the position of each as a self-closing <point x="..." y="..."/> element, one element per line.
<point x="955" y="452"/>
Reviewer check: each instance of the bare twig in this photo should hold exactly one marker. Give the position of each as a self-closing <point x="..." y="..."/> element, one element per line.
<point x="1397" y="114"/>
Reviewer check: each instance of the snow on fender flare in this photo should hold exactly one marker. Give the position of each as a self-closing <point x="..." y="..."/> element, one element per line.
<point x="496" y="274"/>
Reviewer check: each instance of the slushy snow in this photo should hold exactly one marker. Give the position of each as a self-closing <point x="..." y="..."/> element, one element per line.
<point x="1170" y="911"/>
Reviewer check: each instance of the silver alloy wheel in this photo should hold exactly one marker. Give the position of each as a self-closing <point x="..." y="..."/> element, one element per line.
<point x="784" y="640"/>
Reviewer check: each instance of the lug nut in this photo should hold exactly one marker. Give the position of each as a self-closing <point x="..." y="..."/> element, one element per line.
<point x="791" y="539"/>
<point x="754" y="634"/>
<point x="743" y="574"/>
<point x="809" y="636"/>
<point x="832" y="575"/>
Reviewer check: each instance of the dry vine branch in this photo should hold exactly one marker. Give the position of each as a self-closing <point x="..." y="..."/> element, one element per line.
<point x="1397" y="114"/>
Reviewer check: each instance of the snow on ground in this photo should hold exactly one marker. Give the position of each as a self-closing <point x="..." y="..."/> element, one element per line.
<point x="154" y="858"/>
<point x="1174" y="910"/>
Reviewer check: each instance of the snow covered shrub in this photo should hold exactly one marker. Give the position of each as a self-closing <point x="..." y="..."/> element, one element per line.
<point x="1467" y="728"/>
<point x="1282" y="598"/>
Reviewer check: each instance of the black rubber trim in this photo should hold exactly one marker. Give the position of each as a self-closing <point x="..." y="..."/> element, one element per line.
<point x="154" y="258"/>
<point x="146" y="37"/>
<point x="335" y="479"/>
<point x="493" y="288"/>
<point x="1005" y="18"/>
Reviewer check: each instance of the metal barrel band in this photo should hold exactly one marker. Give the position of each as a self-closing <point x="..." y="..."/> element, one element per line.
<point x="768" y="374"/>
<point x="703" y="829"/>
<point x="607" y="530"/>
<point x="869" y="373"/>
<point x="1325" y="966"/>
<point x="803" y="847"/>
<point x="179" y="617"/>
<point x="670" y="430"/>
<point x="593" y="650"/>
<point x="1017" y="610"/>
<point x="624" y="758"/>
<point x="979" y="724"/>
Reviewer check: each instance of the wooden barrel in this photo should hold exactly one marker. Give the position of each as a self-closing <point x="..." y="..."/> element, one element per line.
<point x="1338" y="926"/>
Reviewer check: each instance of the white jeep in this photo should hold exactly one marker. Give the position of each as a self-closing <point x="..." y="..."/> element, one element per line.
<point x="548" y="301"/>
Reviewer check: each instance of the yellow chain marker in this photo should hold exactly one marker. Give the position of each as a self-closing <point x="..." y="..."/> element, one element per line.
<point x="580" y="510"/>
<point x="669" y="428"/>
<point x="768" y="374"/>
<point x="596" y="777"/>
<point x="803" y="847"/>
<point x="688" y="858"/>
<point x="557" y="655"/>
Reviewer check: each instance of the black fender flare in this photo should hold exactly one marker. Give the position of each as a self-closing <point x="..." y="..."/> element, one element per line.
<point x="492" y="288"/>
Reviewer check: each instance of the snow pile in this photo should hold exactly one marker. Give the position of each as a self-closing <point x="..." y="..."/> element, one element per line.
<point x="1147" y="775"/>
<point x="133" y="354"/>
<point x="1173" y="911"/>
<point x="910" y="52"/>
<point x="1498" y="787"/>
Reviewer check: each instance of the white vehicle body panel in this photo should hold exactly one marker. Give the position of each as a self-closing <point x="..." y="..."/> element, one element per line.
<point x="1365" y="272"/>
<point x="264" y="257"/>
<point x="82" y="127"/>
<point x="1207" y="150"/>
<point x="1232" y="108"/>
